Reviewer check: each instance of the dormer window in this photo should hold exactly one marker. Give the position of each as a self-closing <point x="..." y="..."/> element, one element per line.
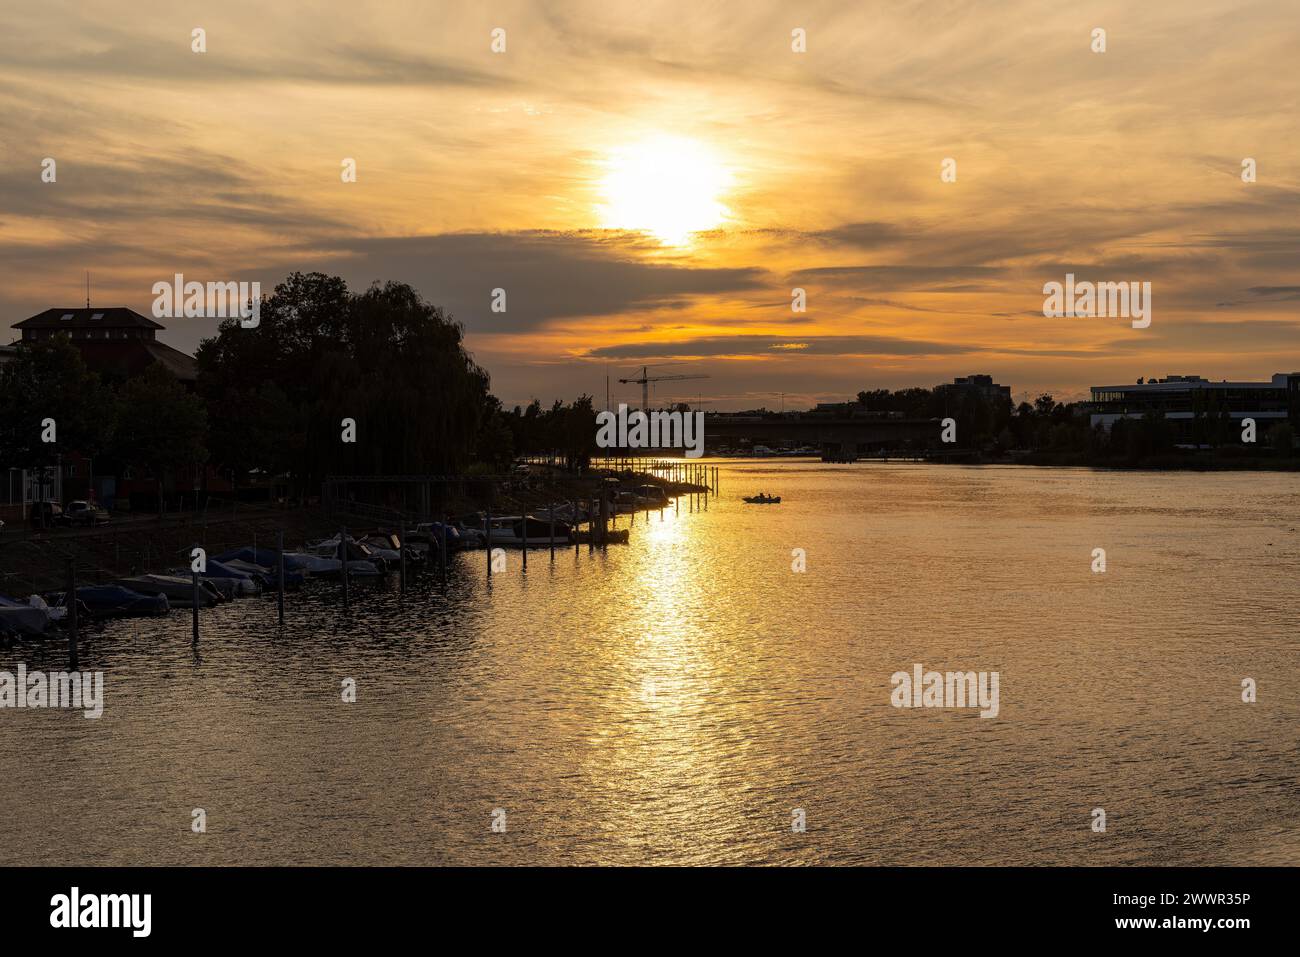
<point x="95" y="316"/>
<point x="67" y="317"/>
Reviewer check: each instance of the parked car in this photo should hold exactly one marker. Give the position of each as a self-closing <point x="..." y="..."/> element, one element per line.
<point x="84" y="513"/>
<point x="46" y="514"/>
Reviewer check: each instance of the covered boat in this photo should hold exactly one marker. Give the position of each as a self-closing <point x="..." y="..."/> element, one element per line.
<point x="179" y="591"/>
<point x="267" y="558"/>
<point x="115" y="601"/>
<point x="528" y="531"/>
<point x="30" y="618"/>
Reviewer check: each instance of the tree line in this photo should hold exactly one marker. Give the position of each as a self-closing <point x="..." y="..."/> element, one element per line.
<point x="273" y="400"/>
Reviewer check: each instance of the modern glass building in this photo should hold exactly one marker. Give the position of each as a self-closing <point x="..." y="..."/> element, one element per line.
<point x="1186" y="398"/>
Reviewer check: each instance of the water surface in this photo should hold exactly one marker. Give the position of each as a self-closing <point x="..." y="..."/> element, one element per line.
<point x="671" y="701"/>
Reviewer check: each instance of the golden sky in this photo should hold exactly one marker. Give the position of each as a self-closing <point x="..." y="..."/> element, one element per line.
<point x="572" y="169"/>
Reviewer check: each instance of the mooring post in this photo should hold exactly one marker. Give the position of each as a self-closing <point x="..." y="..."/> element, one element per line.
<point x="401" y="552"/>
<point x="487" y="535"/>
<point x="279" y="591"/>
<point x="442" y="549"/>
<point x="71" y="601"/>
<point x="591" y="525"/>
<point x="343" y="554"/>
<point x="552" y="531"/>
<point x="577" y="528"/>
<point x="523" y="539"/>
<point x="194" y="600"/>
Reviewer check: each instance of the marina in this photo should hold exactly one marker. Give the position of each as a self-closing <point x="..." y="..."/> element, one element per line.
<point x="623" y="487"/>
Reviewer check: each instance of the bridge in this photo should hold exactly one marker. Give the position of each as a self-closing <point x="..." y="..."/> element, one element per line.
<point x="831" y="435"/>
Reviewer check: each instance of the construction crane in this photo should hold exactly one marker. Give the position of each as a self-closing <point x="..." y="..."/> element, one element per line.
<point x="644" y="381"/>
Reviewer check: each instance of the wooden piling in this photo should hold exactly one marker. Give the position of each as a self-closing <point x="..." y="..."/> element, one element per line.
<point x="442" y="550"/>
<point x="71" y="602"/>
<point x="343" y="552"/>
<point x="279" y="590"/>
<point x="487" y="535"/>
<point x="552" y="509"/>
<point x="194" y="600"/>
<point x="401" y="553"/>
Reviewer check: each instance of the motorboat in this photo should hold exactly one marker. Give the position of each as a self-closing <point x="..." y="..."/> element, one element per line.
<point x="389" y="546"/>
<point x="458" y="539"/>
<point x="229" y="585"/>
<point x="309" y="564"/>
<point x="179" y="591"/>
<point x="763" y="499"/>
<point x="362" y="560"/>
<point x="268" y="559"/>
<point x="652" y="497"/>
<point x="626" y="502"/>
<point x="30" y="618"/>
<point x="267" y="576"/>
<point x="528" y="531"/>
<point x="116" y="601"/>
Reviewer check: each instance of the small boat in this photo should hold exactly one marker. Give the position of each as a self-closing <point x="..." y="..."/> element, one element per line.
<point x="115" y="601"/>
<point x="528" y="531"/>
<point x="430" y="534"/>
<point x="267" y="576"/>
<point x="763" y="499"/>
<point x="32" y="618"/>
<point x="625" y="503"/>
<point x="179" y="591"/>
<point x="651" y="497"/>
<point x="229" y="587"/>
<point x="267" y="560"/>
<point x="307" y="564"/>
<point x="362" y="560"/>
<point x="385" y="544"/>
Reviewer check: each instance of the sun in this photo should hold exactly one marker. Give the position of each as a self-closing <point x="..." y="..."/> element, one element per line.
<point x="667" y="186"/>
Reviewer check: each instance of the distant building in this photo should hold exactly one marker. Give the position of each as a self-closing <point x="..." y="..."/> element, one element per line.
<point x="118" y="343"/>
<point x="982" y="384"/>
<point x="8" y="354"/>
<point x="1181" y="398"/>
<point x="836" y="408"/>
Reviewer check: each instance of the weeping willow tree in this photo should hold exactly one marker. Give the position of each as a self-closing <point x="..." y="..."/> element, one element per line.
<point x="282" y="395"/>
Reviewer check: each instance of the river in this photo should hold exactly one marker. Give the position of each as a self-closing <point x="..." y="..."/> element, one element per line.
<point x="675" y="700"/>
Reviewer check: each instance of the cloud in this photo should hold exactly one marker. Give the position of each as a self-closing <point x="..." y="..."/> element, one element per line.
<point x="547" y="275"/>
<point x="771" y="346"/>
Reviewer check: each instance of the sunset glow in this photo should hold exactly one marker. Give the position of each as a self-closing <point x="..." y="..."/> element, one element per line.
<point x="667" y="186"/>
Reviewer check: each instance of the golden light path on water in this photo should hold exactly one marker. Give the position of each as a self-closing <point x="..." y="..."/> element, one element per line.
<point x="673" y="700"/>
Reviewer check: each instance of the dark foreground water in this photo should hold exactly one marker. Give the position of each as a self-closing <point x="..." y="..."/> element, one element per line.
<point x="672" y="701"/>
